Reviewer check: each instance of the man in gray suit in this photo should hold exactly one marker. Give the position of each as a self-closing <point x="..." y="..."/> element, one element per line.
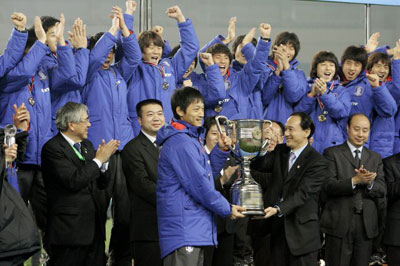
<point x="350" y="214"/>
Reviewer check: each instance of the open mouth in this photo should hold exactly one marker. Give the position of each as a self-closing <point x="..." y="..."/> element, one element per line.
<point x="381" y="76"/>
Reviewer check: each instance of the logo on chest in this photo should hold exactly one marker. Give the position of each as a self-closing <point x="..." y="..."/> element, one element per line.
<point x="359" y="91"/>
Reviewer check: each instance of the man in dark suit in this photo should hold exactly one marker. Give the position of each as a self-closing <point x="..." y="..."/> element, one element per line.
<point x="293" y="188"/>
<point x="73" y="175"/>
<point x="391" y="237"/>
<point x="139" y="163"/>
<point x="350" y="214"/>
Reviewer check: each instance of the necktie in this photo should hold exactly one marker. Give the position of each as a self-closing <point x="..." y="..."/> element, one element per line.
<point x="155" y="145"/>
<point x="357" y="200"/>
<point x="77" y="146"/>
<point x="357" y="158"/>
<point x="292" y="157"/>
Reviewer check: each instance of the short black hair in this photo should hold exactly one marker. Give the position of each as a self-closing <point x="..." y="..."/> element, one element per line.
<point x="379" y="57"/>
<point x="209" y="122"/>
<point x="176" y="49"/>
<point x="355" y="53"/>
<point x="94" y="39"/>
<point x="31" y="38"/>
<point x="281" y="125"/>
<point x="147" y="37"/>
<point x="140" y="105"/>
<point x="285" y="38"/>
<point x="183" y="98"/>
<point x="321" y="57"/>
<point x="48" y="22"/>
<point x="238" y="41"/>
<point x="219" y="48"/>
<point x="306" y="122"/>
<point x="350" y="119"/>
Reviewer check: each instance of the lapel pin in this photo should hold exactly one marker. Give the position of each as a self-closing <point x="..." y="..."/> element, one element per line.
<point x="298" y="166"/>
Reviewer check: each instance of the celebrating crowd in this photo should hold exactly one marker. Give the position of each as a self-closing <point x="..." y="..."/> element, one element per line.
<point x="122" y="119"/>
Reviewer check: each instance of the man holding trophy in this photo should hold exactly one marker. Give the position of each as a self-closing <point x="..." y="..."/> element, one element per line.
<point x="297" y="174"/>
<point x="186" y="197"/>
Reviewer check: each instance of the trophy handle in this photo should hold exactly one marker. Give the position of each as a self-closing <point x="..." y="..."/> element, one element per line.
<point x="228" y="123"/>
<point x="266" y="141"/>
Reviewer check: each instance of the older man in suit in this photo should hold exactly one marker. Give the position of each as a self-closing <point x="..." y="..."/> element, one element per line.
<point x="293" y="188"/>
<point x="73" y="173"/>
<point x="139" y="163"/>
<point x="350" y="214"/>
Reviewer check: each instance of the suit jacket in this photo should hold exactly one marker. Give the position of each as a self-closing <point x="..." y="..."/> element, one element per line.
<point x="139" y="163"/>
<point x="296" y="193"/>
<point x="392" y="176"/>
<point x="338" y="191"/>
<point x="73" y="192"/>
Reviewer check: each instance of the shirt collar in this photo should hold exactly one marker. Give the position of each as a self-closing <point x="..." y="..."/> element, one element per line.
<point x="299" y="151"/>
<point x="70" y="141"/>
<point x="353" y="148"/>
<point x="207" y="150"/>
<point x="151" y="138"/>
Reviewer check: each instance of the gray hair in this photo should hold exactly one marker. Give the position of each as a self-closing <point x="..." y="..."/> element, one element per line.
<point x="70" y="113"/>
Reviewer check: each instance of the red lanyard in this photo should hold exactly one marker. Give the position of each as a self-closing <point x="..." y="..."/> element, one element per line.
<point x="321" y="104"/>
<point x="31" y="84"/>
<point x="162" y="72"/>
<point x="227" y="74"/>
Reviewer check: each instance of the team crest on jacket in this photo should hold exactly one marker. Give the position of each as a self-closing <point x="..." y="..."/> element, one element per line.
<point x="359" y="91"/>
<point x="189" y="249"/>
<point x="42" y="75"/>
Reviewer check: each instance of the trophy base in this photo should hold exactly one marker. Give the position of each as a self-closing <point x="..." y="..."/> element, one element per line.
<point x="254" y="212"/>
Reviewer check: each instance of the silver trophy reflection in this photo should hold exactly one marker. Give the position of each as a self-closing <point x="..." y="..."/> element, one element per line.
<point x="9" y="137"/>
<point x="248" y="143"/>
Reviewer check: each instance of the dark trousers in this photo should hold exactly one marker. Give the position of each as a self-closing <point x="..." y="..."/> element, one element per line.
<point x="242" y="250"/>
<point x="261" y="250"/>
<point x="281" y="255"/>
<point x="354" y="249"/>
<point x="393" y="255"/>
<point x="146" y="253"/>
<point x="32" y="191"/>
<point x="119" y="250"/>
<point x="223" y="253"/>
<point x="92" y="255"/>
<point x="185" y="256"/>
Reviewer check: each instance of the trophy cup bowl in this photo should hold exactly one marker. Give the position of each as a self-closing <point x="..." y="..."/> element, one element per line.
<point x="247" y="139"/>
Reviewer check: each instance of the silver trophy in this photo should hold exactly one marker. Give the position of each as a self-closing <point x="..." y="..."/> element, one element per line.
<point x="247" y="144"/>
<point x="9" y="136"/>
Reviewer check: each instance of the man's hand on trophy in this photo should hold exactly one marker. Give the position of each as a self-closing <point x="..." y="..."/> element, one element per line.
<point x="237" y="212"/>
<point x="227" y="174"/>
<point x="270" y="211"/>
<point x="224" y="142"/>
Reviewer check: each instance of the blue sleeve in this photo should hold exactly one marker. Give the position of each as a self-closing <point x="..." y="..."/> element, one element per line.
<point x="384" y="103"/>
<point x="19" y="76"/>
<point x="252" y="70"/>
<point x="99" y="53"/>
<point x="338" y="107"/>
<point x="294" y="85"/>
<point x="194" y="178"/>
<point x="270" y="88"/>
<point x="380" y="49"/>
<point x="218" y="159"/>
<point x="131" y="58"/>
<point x="306" y="104"/>
<point x="395" y="86"/>
<point x="79" y="66"/>
<point x="213" y="88"/>
<point x="249" y="52"/>
<point x="119" y="52"/>
<point x="14" y="51"/>
<point x="64" y="72"/>
<point x="166" y="53"/>
<point x="189" y="48"/>
<point x="217" y="39"/>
